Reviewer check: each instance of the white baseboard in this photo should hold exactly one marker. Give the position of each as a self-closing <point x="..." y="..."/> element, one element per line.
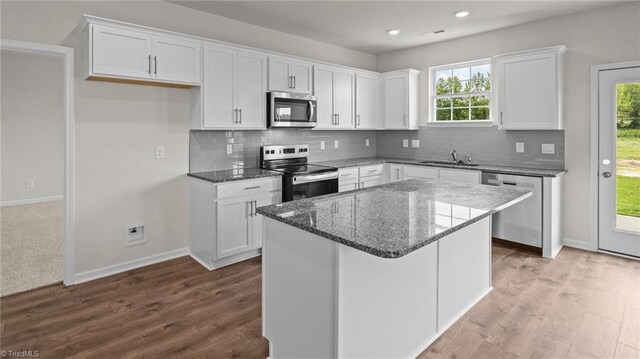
<point x="125" y="266"/>
<point x="577" y="244"/>
<point x="31" y="201"/>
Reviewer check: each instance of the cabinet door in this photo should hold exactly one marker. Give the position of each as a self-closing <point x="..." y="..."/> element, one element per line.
<point x="343" y="187"/>
<point x="279" y="74"/>
<point x="460" y="175"/>
<point x="302" y="73"/>
<point x="371" y="181"/>
<point x="528" y="93"/>
<point x="420" y="172"/>
<point x="121" y="53"/>
<point x="323" y="90"/>
<point x="366" y="102"/>
<point x="176" y="60"/>
<point x="219" y="88"/>
<point x="256" y="225"/>
<point x="251" y="89"/>
<point x="233" y="232"/>
<point x="344" y="83"/>
<point x="395" y="173"/>
<point x="395" y="102"/>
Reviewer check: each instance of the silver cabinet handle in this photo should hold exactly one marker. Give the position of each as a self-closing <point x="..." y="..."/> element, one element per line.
<point x="254" y="187"/>
<point x="240" y="111"/>
<point x="358" y="120"/>
<point x="606" y="174"/>
<point x="501" y="117"/>
<point x="398" y="174"/>
<point x="155" y="65"/>
<point x="290" y="82"/>
<point x="333" y="119"/>
<point x="255" y="207"/>
<point x="294" y="81"/>
<point x="338" y="115"/>
<point x="235" y="115"/>
<point x="149" y="58"/>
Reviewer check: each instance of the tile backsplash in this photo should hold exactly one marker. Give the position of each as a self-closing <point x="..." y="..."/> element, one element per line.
<point x="208" y="149"/>
<point x="486" y="145"/>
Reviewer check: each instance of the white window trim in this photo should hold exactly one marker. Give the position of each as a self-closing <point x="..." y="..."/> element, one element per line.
<point x="431" y="120"/>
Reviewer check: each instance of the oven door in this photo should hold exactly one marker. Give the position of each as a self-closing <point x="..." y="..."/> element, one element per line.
<point x="307" y="186"/>
<point x="291" y="110"/>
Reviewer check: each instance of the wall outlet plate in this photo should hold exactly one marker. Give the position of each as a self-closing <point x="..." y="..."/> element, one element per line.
<point x="405" y="143"/>
<point x="229" y="149"/>
<point x="548" y="148"/>
<point x="335" y="144"/>
<point x="136" y="234"/>
<point x="366" y="142"/>
<point x="415" y="143"/>
<point x="519" y="147"/>
<point x="29" y="183"/>
<point x="322" y="145"/>
<point x="160" y="154"/>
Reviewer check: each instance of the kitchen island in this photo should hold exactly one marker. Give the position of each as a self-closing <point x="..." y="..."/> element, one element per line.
<point x="379" y="272"/>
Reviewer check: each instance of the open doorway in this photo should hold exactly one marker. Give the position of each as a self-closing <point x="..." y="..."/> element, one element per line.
<point x="36" y="121"/>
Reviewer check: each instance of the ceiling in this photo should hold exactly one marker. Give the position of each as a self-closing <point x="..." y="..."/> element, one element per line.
<point x="362" y="25"/>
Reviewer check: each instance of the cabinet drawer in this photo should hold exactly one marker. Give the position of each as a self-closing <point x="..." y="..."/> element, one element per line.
<point x="420" y="172"/>
<point x="460" y="175"/>
<point x="348" y="174"/>
<point x="373" y="170"/>
<point x="248" y="187"/>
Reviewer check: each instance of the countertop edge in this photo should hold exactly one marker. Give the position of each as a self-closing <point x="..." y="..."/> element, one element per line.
<point x="232" y="179"/>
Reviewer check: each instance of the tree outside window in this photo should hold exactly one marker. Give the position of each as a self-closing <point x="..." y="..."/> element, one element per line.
<point x="461" y="93"/>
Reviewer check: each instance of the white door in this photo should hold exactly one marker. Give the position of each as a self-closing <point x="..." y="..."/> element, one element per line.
<point x="302" y="73"/>
<point x="527" y="92"/>
<point x="619" y="158"/>
<point x="366" y="101"/>
<point x="256" y="225"/>
<point x="344" y="83"/>
<point x="251" y="90"/>
<point x="395" y="102"/>
<point x="218" y="87"/>
<point x="176" y="60"/>
<point x="279" y="75"/>
<point x="323" y="90"/>
<point x="233" y="224"/>
<point x="121" y="53"/>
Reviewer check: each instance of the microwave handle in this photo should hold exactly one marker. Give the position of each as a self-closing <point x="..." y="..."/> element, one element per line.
<point x="311" y="111"/>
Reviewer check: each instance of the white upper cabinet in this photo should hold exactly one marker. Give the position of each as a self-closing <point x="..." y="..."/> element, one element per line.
<point x="115" y="53"/>
<point x="334" y="89"/>
<point x="400" y="93"/>
<point x="234" y="89"/>
<point x="366" y="101"/>
<point x="290" y="75"/>
<point x="530" y="89"/>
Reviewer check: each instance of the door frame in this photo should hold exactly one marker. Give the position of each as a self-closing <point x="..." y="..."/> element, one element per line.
<point x="594" y="175"/>
<point x="67" y="54"/>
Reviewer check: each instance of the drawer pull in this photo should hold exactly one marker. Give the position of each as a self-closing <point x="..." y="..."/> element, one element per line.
<point x="254" y="187"/>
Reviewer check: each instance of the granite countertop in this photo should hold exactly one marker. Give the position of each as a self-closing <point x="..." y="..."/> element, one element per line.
<point x="392" y="220"/>
<point x="237" y="174"/>
<point x="521" y="171"/>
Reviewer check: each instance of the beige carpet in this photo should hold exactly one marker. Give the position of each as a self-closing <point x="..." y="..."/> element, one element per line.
<point x="30" y="246"/>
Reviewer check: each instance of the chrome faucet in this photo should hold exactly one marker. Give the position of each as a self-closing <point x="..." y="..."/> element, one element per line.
<point x="454" y="155"/>
<point x="469" y="159"/>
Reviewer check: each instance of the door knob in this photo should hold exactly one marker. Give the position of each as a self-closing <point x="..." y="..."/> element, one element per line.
<point x="606" y="174"/>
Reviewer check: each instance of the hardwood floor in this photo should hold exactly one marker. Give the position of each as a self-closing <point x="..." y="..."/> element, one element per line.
<point x="580" y="305"/>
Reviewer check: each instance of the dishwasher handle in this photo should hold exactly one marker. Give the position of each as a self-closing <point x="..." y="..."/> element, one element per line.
<point x="497" y="182"/>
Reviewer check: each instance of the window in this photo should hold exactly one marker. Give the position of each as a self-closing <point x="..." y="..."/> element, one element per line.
<point x="461" y="92"/>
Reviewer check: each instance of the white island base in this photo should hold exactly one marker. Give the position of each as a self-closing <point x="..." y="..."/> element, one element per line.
<point x="323" y="299"/>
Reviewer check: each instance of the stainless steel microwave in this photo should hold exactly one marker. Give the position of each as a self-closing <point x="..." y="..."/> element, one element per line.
<point x="291" y="110"/>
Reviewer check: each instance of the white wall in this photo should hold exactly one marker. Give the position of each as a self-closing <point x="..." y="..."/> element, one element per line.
<point x="32" y="126"/>
<point x="602" y="36"/>
<point x="118" y="181"/>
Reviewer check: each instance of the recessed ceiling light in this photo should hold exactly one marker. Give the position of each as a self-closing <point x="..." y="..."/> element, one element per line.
<point x="394" y="32"/>
<point x="462" y="13"/>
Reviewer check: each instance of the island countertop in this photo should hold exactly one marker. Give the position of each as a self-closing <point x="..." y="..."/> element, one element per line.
<point x="393" y="220"/>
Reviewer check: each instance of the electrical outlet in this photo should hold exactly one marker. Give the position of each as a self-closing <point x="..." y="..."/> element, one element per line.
<point x="29" y="183"/>
<point x="366" y="142"/>
<point x="335" y="144"/>
<point x="322" y="145"/>
<point x="229" y="149"/>
<point x="548" y="148"/>
<point x="160" y="152"/>
<point x="519" y="147"/>
<point x="136" y="234"/>
<point x="415" y="143"/>
<point x="405" y="143"/>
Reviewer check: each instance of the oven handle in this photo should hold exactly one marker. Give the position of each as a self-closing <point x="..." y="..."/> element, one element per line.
<point x="315" y="178"/>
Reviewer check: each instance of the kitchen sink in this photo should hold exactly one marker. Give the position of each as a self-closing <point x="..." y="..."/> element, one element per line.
<point x="459" y="163"/>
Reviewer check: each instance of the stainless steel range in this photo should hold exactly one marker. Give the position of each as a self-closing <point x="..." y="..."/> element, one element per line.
<point x="301" y="179"/>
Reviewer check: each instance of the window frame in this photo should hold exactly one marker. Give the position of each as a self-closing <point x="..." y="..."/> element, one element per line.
<point x="431" y="121"/>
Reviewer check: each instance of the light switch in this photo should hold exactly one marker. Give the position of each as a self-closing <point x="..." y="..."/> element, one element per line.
<point x="335" y="144"/>
<point x="415" y="143"/>
<point x="520" y="147"/>
<point x="229" y="149"/>
<point x="548" y="148"/>
<point x="405" y="143"/>
<point x="160" y="152"/>
<point x="322" y="145"/>
<point x="366" y="142"/>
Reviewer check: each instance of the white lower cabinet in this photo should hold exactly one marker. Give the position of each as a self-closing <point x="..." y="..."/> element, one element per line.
<point x="223" y="225"/>
<point x="467" y="176"/>
<point x="396" y="172"/>
<point x="420" y="172"/>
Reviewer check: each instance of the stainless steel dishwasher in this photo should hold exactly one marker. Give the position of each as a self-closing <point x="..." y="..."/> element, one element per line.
<point x="522" y="222"/>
